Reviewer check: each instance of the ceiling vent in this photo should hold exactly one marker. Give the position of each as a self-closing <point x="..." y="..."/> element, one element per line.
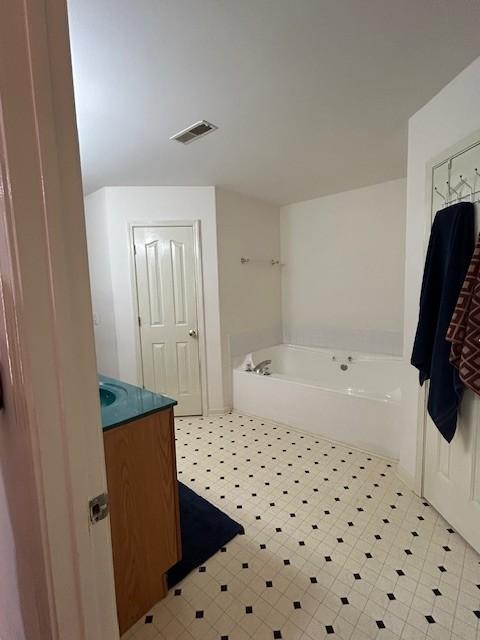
<point x="194" y="131"/>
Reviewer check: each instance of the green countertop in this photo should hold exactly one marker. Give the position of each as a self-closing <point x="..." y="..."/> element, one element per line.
<point x="122" y="402"/>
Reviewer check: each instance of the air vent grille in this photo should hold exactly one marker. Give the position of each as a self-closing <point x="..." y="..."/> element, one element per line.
<point x="194" y="131"/>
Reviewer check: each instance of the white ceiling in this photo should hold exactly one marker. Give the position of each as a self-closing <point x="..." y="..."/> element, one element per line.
<point x="310" y="96"/>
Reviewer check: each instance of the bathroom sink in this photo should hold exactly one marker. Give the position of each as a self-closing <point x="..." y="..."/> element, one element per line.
<point x="107" y="397"/>
<point x="121" y="402"/>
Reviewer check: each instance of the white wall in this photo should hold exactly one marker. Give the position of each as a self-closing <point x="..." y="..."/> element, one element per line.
<point x="250" y="294"/>
<point x="126" y="205"/>
<point x="342" y="284"/>
<point x="447" y="119"/>
<point x="101" y="283"/>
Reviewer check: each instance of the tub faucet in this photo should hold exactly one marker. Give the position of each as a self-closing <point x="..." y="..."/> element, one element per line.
<point x="262" y="367"/>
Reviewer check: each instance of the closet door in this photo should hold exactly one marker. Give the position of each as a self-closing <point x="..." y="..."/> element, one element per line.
<point x="167" y="305"/>
<point x="452" y="471"/>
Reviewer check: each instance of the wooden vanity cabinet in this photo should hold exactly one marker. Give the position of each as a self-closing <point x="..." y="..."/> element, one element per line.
<point x="144" y="512"/>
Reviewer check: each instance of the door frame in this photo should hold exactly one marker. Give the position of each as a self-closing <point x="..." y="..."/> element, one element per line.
<point x="454" y="150"/>
<point x="195" y="225"/>
<point x="51" y="409"/>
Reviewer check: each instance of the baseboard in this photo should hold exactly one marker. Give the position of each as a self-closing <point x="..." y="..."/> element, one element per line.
<point x="218" y="412"/>
<point x="407" y="478"/>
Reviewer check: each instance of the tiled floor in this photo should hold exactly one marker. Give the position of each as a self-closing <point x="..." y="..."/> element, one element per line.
<point x="334" y="546"/>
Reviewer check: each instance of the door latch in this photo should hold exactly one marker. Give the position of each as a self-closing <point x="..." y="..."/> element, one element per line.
<point x="98" y="508"/>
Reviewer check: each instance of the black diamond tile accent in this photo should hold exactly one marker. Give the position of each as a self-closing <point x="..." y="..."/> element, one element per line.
<point x="306" y="460"/>
<point x="249" y="609"/>
<point x="286" y="562"/>
<point x="148" y="619"/>
<point x="199" y="615"/>
<point x="277" y="634"/>
<point x="224" y="587"/>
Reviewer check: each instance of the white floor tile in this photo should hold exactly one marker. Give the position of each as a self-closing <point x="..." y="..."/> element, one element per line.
<point x="336" y="545"/>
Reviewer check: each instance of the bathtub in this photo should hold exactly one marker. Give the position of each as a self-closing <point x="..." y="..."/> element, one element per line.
<point x="346" y="396"/>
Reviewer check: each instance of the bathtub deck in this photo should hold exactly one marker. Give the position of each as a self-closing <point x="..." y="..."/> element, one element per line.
<point x="335" y="545"/>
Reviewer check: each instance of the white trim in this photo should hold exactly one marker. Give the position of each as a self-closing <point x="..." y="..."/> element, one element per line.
<point x="52" y="411"/>
<point x="454" y="150"/>
<point x="219" y="412"/>
<point x="195" y="225"/>
<point x="407" y="479"/>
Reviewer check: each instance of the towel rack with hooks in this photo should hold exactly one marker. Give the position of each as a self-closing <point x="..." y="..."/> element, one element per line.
<point x="457" y="177"/>
<point x="273" y="262"/>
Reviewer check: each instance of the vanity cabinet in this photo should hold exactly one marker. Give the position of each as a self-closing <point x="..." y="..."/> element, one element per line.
<point x="144" y="511"/>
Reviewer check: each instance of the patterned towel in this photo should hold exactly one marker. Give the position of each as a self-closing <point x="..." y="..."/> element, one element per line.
<point x="464" y="329"/>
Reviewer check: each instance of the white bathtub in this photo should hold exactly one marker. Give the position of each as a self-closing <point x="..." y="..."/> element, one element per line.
<point x="309" y="390"/>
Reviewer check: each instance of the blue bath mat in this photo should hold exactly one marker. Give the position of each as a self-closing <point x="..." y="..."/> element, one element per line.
<point x="204" y="530"/>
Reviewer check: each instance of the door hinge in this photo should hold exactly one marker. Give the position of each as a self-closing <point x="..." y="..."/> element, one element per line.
<point x="134" y="249"/>
<point x="98" y="508"/>
<point x="139" y="321"/>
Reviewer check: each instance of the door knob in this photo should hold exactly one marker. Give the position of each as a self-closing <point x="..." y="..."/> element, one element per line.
<point x="192" y="333"/>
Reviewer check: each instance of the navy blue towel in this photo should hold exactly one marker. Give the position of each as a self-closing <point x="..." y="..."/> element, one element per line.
<point x="449" y="253"/>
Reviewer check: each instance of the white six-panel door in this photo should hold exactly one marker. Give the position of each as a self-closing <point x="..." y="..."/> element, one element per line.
<point x="167" y="302"/>
<point x="452" y="471"/>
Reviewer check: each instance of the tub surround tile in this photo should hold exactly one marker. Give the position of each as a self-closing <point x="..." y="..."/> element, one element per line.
<point x="335" y="545"/>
